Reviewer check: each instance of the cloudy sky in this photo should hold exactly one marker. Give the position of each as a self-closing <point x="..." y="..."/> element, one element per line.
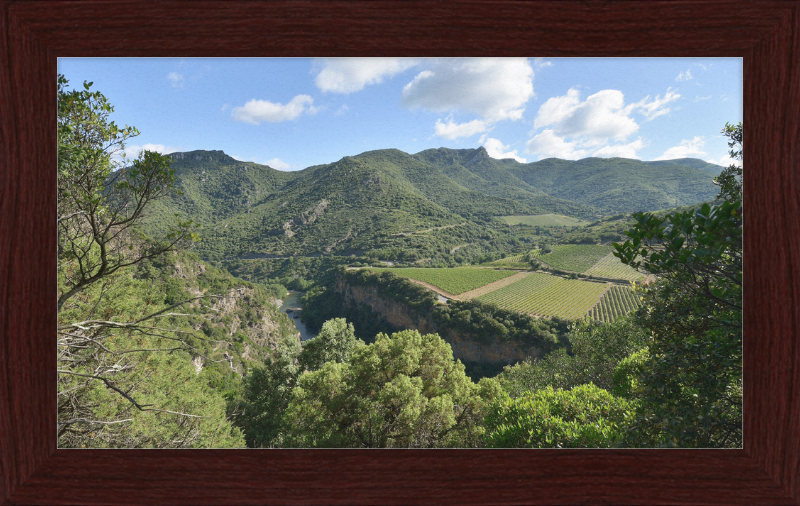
<point x="294" y="113"/>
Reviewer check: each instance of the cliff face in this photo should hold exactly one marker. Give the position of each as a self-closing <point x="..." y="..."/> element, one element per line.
<point x="465" y="347"/>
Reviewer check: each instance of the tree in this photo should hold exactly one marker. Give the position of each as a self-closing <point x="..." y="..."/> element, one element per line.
<point x="335" y="342"/>
<point x="691" y="382"/>
<point x="596" y="349"/>
<point x="124" y="375"/>
<point x="267" y="392"/>
<point x="583" y="417"/>
<point x="403" y="391"/>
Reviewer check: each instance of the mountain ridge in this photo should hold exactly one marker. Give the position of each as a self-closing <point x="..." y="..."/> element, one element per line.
<point x="387" y="200"/>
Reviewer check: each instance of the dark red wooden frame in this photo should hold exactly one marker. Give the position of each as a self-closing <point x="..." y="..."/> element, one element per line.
<point x="35" y="34"/>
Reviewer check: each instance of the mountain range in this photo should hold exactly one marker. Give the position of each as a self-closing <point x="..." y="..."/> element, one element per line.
<point x="390" y="199"/>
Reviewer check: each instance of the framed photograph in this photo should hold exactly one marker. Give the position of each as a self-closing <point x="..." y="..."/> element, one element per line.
<point x="765" y="36"/>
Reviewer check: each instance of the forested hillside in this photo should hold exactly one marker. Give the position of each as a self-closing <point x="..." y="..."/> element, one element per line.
<point x="380" y="203"/>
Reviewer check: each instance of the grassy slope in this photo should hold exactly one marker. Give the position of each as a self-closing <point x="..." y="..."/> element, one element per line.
<point x="545" y="220"/>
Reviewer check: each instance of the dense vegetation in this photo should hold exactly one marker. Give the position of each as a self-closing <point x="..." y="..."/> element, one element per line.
<point x="152" y="342"/>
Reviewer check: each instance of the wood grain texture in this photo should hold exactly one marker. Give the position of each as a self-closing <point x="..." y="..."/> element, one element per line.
<point x="34" y="34"/>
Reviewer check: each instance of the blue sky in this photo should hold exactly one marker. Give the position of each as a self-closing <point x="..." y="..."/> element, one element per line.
<point x="297" y="112"/>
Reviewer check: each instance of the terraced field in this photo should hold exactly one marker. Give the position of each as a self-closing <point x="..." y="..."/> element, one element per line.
<point x="576" y="257"/>
<point x="546" y="295"/>
<point x="454" y="281"/>
<point x="611" y="267"/>
<point x="617" y="301"/>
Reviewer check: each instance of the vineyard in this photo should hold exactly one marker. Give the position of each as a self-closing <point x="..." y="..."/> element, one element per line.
<point x="618" y="301"/>
<point x="576" y="257"/>
<point x="611" y="267"/>
<point x="546" y="295"/>
<point x="454" y="281"/>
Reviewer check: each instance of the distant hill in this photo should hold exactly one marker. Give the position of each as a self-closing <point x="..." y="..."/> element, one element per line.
<point x="622" y="184"/>
<point x="388" y="199"/>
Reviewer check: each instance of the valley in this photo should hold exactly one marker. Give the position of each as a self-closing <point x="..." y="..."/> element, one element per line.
<point x="532" y="238"/>
<point x="444" y="298"/>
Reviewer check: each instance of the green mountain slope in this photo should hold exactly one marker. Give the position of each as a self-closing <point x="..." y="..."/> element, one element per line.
<point x="386" y="201"/>
<point x="621" y="184"/>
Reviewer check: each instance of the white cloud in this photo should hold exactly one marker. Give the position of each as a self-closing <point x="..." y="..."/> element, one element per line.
<point x="539" y="63"/>
<point x="686" y="149"/>
<point x="346" y="75"/>
<point x="601" y="117"/>
<point x="654" y="109"/>
<point x="277" y="163"/>
<point x="176" y="79"/>
<point x="621" y="150"/>
<point x="256" y="111"/>
<point x="495" y="149"/>
<point x="132" y="150"/>
<point x="493" y="88"/>
<point x="726" y="161"/>
<point x="698" y="98"/>
<point x="547" y="144"/>
<point x="451" y="130"/>
<point x="685" y="76"/>
<point x="342" y="110"/>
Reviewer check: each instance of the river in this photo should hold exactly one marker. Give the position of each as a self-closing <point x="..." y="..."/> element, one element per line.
<point x="291" y="303"/>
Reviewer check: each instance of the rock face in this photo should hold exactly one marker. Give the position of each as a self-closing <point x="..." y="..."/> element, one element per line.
<point x="465" y="347"/>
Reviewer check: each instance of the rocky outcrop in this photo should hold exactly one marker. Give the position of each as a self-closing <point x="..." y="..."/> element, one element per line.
<point x="304" y="218"/>
<point x="466" y="347"/>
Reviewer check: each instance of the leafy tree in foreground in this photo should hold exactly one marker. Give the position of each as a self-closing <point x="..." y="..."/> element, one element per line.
<point x="403" y="391"/>
<point x="335" y="342"/>
<point x="584" y="417"/>
<point x="691" y="383"/>
<point x="267" y="392"/>
<point x="124" y="375"/>
<point x="596" y="351"/>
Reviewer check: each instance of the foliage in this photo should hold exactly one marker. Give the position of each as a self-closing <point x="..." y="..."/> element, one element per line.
<point x="691" y="384"/>
<point x="334" y="343"/>
<point x="266" y="394"/>
<point x="595" y="351"/>
<point x="583" y="417"/>
<point x="489" y="323"/>
<point x="403" y="391"/>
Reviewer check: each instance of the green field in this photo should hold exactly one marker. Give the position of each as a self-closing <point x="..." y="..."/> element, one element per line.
<point x="544" y="220"/>
<point x="546" y="295"/>
<point x="611" y="267"/>
<point x="618" y="301"/>
<point x="576" y="257"/>
<point x="455" y="281"/>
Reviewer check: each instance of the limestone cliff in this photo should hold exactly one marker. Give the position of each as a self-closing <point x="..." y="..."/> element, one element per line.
<point x="466" y="347"/>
